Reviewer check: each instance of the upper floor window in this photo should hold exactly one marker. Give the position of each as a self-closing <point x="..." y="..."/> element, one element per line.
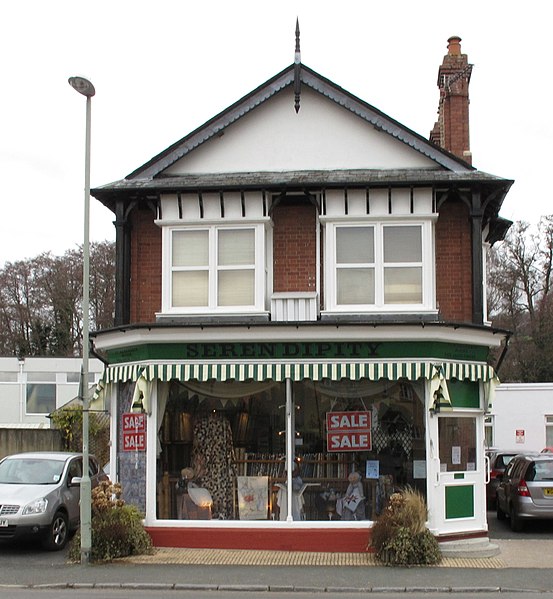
<point x="379" y="266"/>
<point x="214" y="268"/>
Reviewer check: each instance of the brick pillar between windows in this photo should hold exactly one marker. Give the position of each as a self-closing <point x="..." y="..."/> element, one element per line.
<point x="294" y="246"/>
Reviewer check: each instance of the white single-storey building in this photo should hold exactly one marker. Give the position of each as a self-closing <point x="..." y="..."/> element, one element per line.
<point x="521" y="417"/>
<point x="32" y="388"/>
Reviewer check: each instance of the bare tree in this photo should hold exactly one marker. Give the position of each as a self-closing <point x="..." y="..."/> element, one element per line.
<point x="41" y="301"/>
<point x="519" y="281"/>
<point x="102" y="285"/>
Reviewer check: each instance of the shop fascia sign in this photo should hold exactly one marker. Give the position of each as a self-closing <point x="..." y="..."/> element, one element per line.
<point x="134" y="431"/>
<point x="348" y="431"/>
<point x="298" y="350"/>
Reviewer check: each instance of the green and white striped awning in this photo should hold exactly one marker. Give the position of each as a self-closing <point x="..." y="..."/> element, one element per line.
<point x="316" y="371"/>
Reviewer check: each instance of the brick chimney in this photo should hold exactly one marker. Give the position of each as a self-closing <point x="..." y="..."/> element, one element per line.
<point x="451" y="130"/>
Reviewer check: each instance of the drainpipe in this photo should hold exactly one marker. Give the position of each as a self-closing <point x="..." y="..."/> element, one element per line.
<point x="21" y="390"/>
<point x="318" y="260"/>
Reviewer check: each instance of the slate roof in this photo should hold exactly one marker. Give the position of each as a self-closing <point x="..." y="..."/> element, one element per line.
<point x="311" y="179"/>
<point x="148" y="180"/>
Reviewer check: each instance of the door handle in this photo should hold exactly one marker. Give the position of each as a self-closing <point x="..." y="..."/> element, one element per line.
<point x="487" y="459"/>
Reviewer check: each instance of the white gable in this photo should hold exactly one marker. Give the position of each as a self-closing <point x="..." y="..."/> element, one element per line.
<point x="322" y="136"/>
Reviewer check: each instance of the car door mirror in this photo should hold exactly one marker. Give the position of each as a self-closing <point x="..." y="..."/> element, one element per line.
<point x="75" y="481"/>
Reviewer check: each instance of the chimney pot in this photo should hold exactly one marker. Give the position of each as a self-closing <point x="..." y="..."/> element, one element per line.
<point x="454" y="46"/>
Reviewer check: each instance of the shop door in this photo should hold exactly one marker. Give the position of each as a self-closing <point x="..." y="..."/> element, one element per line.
<point x="460" y="504"/>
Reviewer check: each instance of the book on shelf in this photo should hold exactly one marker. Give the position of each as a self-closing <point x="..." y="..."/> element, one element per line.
<point x="312" y="465"/>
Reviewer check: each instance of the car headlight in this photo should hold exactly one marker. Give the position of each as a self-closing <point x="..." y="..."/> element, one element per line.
<point x="38" y="506"/>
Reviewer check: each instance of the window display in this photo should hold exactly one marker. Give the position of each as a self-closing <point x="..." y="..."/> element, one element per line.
<point x="354" y="443"/>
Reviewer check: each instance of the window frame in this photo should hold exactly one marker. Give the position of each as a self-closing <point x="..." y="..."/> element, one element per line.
<point x="213" y="268"/>
<point x="427" y="265"/>
<point x="33" y="385"/>
<point x="548" y="427"/>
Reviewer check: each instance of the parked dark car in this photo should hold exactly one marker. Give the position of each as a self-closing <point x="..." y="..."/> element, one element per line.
<point x="39" y="495"/>
<point x="499" y="459"/>
<point x="525" y="490"/>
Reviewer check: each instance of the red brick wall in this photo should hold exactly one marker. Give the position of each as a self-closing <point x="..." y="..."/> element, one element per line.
<point x="454" y="262"/>
<point x="294" y="247"/>
<point x="145" y="266"/>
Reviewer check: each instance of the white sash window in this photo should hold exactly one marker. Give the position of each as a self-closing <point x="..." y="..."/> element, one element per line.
<point x="214" y="269"/>
<point x="380" y="266"/>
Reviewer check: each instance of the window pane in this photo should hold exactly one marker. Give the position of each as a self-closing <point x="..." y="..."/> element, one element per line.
<point x="236" y="288"/>
<point x="457" y="439"/>
<point x="402" y="244"/>
<point x="549" y="435"/>
<point x="355" y="285"/>
<point x="41" y="399"/>
<point x="236" y="247"/>
<point x="403" y="285"/>
<point x="190" y="288"/>
<point x="354" y="245"/>
<point x="190" y="248"/>
<point x="41" y="377"/>
<point x="8" y="377"/>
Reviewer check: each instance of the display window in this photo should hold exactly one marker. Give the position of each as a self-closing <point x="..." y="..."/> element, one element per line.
<point x="222" y="452"/>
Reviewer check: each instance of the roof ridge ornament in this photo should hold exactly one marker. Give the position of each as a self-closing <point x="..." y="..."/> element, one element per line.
<point x="297" y="69"/>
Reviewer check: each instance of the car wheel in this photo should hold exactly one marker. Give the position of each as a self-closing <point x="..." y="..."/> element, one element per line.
<point x="516" y="520"/>
<point x="58" y="533"/>
<point x="500" y="513"/>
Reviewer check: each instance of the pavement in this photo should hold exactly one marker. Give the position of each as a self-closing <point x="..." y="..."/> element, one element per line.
<point x="521" y="565"/>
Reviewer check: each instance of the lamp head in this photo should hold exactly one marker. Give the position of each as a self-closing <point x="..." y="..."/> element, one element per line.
<point x="82" y="85"/>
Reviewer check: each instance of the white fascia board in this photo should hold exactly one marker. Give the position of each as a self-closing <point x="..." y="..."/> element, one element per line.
<point x="333" y="332"/>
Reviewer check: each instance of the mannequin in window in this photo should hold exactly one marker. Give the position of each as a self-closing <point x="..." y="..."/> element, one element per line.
<point x="352" y="505"/>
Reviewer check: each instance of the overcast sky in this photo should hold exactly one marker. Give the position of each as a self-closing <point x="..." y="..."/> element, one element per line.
<point x="161" y="68"/>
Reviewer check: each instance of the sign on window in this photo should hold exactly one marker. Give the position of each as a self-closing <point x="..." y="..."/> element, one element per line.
<point x="348" y="431"/>
<point x="134" y="432"/>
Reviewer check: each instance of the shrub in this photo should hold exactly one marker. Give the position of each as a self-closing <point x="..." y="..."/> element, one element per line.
<point x="399" y="535"/>
<point x="117" y="529"/>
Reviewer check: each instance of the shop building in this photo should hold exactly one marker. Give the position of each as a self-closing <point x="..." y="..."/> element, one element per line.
<point x="300" y="296"/>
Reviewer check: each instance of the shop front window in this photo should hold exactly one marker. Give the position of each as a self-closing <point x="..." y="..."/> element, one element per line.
<point x="223" y="449"/>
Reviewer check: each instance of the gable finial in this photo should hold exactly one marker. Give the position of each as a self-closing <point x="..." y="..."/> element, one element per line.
<point x="297" y="68"/>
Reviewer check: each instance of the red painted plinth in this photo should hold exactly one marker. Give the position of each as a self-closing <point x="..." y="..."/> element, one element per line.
<point x="312" y="539"/>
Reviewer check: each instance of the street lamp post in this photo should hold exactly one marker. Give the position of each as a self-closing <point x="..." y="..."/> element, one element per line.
<point x="84" y="87"/>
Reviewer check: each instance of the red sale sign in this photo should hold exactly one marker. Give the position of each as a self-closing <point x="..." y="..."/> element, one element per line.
<point x="134" y="422"/>
<point x="134" y="432"/>
<point x="348" y="431"/>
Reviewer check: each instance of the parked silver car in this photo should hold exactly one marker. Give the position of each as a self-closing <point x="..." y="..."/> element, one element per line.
<point x="525" y="490"/>
<point x="39" y="495"/>
<point x="499" y="459"/>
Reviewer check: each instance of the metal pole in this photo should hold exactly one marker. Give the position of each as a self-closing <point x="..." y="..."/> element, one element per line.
<point x="289" y="447"/>
<point x="86" y="492"/>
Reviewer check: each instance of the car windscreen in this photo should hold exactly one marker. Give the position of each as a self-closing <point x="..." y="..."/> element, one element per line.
<point x="27" y="471"/>
<point x="540" y="471"/>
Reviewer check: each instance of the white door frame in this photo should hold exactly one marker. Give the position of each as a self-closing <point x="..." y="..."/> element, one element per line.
<point x="455" y="487"/>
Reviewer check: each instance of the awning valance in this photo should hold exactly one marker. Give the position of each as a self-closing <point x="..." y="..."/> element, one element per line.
<point x="280" y="371"/>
